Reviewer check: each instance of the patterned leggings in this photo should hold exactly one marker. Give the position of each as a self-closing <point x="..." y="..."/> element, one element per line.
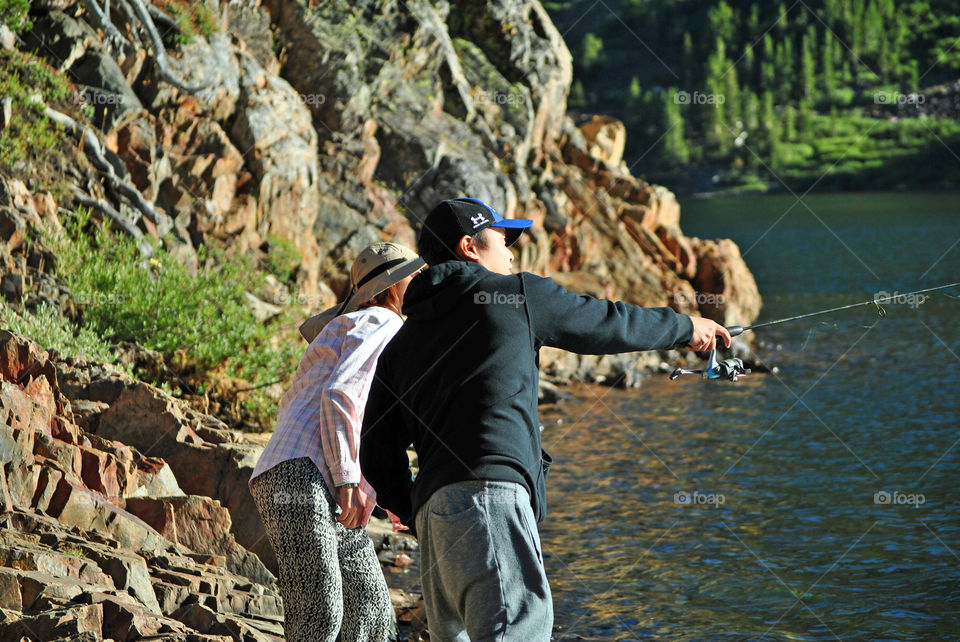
<point x="330" y="579"/>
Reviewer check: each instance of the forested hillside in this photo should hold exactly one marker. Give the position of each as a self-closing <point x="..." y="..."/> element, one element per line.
<point x="850" y="93"/>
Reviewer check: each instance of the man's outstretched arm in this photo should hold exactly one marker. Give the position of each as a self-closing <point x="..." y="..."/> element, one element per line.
<point x="586" y="325"/>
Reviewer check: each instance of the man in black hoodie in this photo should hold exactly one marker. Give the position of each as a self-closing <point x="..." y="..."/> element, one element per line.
<point x="459" y="382"/>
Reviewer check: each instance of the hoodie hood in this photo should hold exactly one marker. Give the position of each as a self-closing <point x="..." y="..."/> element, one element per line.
<point x="434" y="293"/>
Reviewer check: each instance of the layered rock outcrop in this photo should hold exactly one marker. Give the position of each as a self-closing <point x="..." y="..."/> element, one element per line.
<point x="99" y="537"/>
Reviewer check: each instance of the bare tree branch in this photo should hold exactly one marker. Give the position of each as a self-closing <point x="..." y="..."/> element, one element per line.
<point x="95" y="153"/>
<point x="101" y="19"/>
<point x="146" y="250"/>
<point x="159" y="51"/>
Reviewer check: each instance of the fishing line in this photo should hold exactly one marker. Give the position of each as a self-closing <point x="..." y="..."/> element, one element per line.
<point x="813" y="330"/>
<point x="891" y="298"/>
<point x="732" y="369"/>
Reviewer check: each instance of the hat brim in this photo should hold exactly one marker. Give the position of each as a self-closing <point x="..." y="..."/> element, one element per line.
<point x="513" y="228"/>
<point x="310" y="328"/>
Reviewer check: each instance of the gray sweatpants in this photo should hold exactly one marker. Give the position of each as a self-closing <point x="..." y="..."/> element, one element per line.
<point x="482" y="565"/>
<point x="330" y="579"/>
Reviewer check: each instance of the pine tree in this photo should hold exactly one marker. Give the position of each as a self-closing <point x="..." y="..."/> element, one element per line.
<point x="722" y="23"/>
<point x="749" y="67"/>
<point x="675" y="151"/>
<point x="828" y="78"/>
<point x="769" y="129"/>
<point x="689" y="62"/>
<point x="715" y="128"/>
<point x="789" y="124"/>
<point x="752" y="30"/>
<point x="808" y="88"/>
<point x="804" y="121"/>
<point x="731" y="98"/>
<point x="768" y="69"/>
<point x="785" y="69"/>
<point x="750" y="111"/>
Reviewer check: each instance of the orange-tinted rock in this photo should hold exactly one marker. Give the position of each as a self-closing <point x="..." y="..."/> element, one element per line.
<point x="722" y="272"/>
<point x="606" y="138"/>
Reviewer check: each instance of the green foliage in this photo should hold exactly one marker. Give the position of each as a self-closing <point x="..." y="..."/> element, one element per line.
<point x="675" y="151"/>
<point x="13" y="13"/>
<point x="591" y="50"/>
<point x="159" y="303"/>
<point x="30" y="138"/>
<point x="283" y="258"/>
<point x="197" y="318"/>
<point x="193" y="18"/>
<point x="819" y="59"/>
<point x="74" y="551"/>
<point x="48" y="327"/>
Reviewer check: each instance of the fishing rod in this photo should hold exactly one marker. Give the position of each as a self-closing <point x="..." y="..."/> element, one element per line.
<point x="733" y="369"/>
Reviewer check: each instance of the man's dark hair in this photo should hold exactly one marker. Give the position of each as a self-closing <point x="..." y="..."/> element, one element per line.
<point x="432" y="250"/>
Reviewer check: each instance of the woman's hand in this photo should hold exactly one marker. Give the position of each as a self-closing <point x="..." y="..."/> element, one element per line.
<point x="352" y="502"/>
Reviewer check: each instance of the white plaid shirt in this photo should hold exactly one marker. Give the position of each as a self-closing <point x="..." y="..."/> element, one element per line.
<point x="320" y="416"/>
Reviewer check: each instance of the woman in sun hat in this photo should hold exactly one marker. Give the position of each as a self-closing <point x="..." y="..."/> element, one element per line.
<point x="307" y="483"/>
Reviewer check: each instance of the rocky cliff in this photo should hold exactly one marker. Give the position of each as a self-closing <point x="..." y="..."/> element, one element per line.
<point x="239" y="125"/>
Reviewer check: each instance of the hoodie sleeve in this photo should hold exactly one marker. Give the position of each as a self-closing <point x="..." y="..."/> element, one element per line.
<point x="383" y="447"/>
<point x="586" y="325"/>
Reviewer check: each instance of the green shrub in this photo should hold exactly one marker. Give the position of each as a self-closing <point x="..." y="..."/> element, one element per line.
<point x="48" y="327"/>
<point x="193" y="18"/>
<point x="199" y="320"/>
<point x="30" y="138"/>
<point x="13" y="13"/>
<point x="158" y="303"/>
<point x="283" y="258"/>
<point x="795" y="153"/>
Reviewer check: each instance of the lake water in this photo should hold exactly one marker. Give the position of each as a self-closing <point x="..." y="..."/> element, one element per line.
<point x="817" y="503"/>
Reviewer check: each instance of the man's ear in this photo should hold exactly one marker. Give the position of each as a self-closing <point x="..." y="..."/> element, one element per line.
<point x="467" y="250"/>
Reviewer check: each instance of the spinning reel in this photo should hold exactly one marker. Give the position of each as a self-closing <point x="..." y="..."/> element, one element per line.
<point x="731" y="369"/>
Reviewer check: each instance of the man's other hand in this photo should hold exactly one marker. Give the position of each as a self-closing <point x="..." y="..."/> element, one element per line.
<point x="705" y="333"/>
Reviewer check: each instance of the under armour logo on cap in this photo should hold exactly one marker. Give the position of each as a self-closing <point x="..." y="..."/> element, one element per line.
<point x="479" y="220"/>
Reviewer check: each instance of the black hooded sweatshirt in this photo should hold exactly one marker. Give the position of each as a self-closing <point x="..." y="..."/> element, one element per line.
<point x="459" y="380"/>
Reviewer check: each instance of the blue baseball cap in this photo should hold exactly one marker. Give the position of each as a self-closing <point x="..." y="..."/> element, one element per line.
<point x="451" y="220"/>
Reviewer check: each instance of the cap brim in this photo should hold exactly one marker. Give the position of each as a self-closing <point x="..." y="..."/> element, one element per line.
<point x="513" y="228"/>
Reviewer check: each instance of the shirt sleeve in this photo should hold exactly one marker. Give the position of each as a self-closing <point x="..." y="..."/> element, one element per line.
<point x="585" y="325"/>
<point x="343" y="399"/>
<point x="383" y="447"/>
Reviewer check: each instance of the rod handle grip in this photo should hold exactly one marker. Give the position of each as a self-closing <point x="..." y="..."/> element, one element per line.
<point x="735" y="331"/>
